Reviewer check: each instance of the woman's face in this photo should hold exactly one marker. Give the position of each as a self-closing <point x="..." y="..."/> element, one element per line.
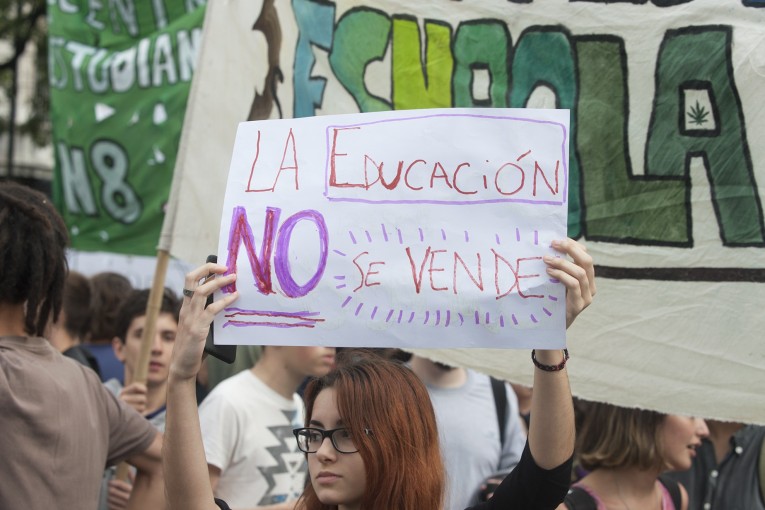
<point x="679" y="438"/>
<point x="338" y="478"/>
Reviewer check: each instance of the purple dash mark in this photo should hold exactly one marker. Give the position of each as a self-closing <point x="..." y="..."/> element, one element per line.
<point x="462" y="319"/>
<point x="374" y="312"/>
<point x="488" y="319"/>
<point x="438" y="317"/>
<point x="339" y="277"/>
<point x="467" y="237"/>
<point x="347" y="300"/>
<point x="400" y="236"/>
<point x="353" y="238"/>
<point x="548" y="312"/>
<point x="552" y="298"/>
<point x="341" y="286"/>
<point x="427" y="316"/>
<point x="443" y="235"/>
<point x="496" y="238"/>
<point x="400" y="315"/>
<point x="340" y="253"/>
<point x="384" y="232"/>
<point x="390" y="314"/>
<point x="411" y="318"/>
<point x="536" y="237"/>
<point x="515" y="321"/>
<point x="533" y="319"/>
<point x="422" y="236"/>
<point x="448" y="318"/>
<point x="358" y="309"/>
<point x="501" y="321"/>
<point x="517" y="235"/>
<point x="553" y="280"/>
<point x="369" y="236"/>
<point x="477" y="318"/>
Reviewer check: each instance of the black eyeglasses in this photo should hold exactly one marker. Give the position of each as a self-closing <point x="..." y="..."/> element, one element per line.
<point x="309" y="439"/>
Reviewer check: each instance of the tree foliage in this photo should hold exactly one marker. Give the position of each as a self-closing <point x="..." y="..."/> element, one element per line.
<point x="23" y="28"/>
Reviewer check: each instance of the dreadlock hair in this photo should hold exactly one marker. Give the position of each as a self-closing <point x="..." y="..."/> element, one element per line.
<point x="33" y="239"/>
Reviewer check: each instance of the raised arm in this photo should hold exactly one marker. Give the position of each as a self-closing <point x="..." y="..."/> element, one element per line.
<point x="551" y="432"/>
<point x="187" y="480"/>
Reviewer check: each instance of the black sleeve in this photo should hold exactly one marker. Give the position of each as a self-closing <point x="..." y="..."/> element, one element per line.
<point x="529" y="487"/>
<point x="222" y="504"/>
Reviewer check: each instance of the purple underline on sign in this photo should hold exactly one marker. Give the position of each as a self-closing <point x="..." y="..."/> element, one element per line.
<point x="347" y="300"/>
<point x="358" y="308"/>
<point x="422" y="237"/>
<point x="340" y="253"/>
<point x="449" y="202"/>
<point x="369" y="236"/>
<point x="245" y="324"/>
<point x="353" y="238"/>
<point x="374" y="312"/>
<point x="233" y="311"/>
<point x="384" y="232"/>
<point x="548" y="312"/>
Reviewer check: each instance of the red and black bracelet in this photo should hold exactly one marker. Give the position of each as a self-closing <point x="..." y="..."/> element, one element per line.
<point x="550" y="368"/>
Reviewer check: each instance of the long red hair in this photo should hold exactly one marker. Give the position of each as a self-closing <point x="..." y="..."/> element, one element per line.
<point x="402" y="459"/>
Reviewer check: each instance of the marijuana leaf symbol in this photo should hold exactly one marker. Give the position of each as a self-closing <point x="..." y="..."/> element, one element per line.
<point x="698" y="114"/>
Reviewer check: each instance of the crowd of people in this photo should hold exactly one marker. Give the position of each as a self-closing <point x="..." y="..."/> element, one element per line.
<point x="311" y="428"/>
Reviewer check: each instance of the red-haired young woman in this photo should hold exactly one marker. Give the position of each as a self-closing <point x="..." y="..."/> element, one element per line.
<point x="370" y="435"/>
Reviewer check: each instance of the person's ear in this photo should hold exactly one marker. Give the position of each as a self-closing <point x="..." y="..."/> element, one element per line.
<point x="119" y="348"/>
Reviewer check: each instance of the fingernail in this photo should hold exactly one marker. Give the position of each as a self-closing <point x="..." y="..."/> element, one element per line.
<point x="548" y="258"/>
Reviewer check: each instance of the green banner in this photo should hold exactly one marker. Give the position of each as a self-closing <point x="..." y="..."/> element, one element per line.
<point x="120" y="74"/>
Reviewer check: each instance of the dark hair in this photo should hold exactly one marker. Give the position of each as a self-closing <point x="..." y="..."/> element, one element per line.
<point x="108" y="290"/>
<point x="612" y="437"/>
<point x="401" y="455"/>
<point x="134" y="305"/>
<point x="33" y="240"/>
<point x="77" y="311"/>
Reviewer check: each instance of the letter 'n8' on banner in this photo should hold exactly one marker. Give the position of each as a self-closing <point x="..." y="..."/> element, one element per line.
<point x="421" y="228"/>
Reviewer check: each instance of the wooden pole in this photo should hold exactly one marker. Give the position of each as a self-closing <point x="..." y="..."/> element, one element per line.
<point x="153" y="306"/>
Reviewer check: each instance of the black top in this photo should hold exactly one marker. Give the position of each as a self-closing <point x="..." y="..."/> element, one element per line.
<point x="527" y="487"/>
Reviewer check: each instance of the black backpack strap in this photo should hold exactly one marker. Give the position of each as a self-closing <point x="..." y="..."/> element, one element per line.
<point x="500" y="402"/>
<point x="579" y="499"/>
<point x="673" y="487"/>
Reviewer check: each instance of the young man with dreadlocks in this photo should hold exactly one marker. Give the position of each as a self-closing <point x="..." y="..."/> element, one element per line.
<point x="61" y="427"/>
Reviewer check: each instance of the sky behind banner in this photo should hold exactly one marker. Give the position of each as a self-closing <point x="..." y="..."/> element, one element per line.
<point x="120" y="73"/>
<point x="665" y="172"/>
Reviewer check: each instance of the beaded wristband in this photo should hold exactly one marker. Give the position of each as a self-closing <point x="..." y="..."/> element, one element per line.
<point x="550" y="368"/>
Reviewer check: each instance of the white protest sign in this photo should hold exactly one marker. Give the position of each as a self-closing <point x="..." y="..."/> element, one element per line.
<point x="422" y="228"/>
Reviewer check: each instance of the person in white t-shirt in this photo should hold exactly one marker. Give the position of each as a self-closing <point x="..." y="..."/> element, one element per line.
<point x="247" y="422"/>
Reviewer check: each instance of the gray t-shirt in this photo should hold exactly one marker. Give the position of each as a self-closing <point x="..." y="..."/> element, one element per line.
<point x="469" y="436"/>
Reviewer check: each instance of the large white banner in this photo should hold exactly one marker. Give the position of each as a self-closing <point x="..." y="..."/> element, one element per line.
<point x="416" y="228"/>
<point x="665" y="168"/>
